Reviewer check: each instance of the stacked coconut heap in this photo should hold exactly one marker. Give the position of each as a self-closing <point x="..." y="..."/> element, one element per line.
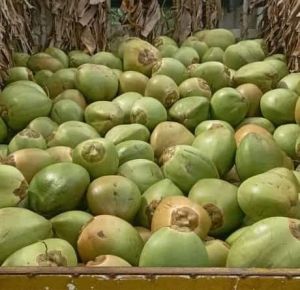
<point x="152" y="155"/>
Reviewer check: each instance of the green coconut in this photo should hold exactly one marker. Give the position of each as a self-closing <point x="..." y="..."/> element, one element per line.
<point x="121" y="133"/>
<point x="46" y="253"/>
<point x="19" y="228"/>
<point x="152" y="197"/>
<point x="3" y="130"/>
<point x="279" y="106"/>
<point x="103" y="115"/>
<point x="133" y="81"/>
<point x="291" y="81"/>
<point x="71" y="134"/>
<point x="3" y="152"/>
<point x="114" y="195"/>
<point x="61" y="154"/>
<point x="58" y="188"/>
<point x="172" y="68"/>
<point x="253" y="250"/>
<point x="73" y="95"/>
<point x="232" y="238"/>
<point x="43" y="125"/>
<point x="219" y="146"/>
<point x="78" y="57"/>
<point x="21" y="103"/>
<point x="187" y="55"/>
<point x="102" y="236"/>
<point x="216" y="74"/>
<point x="148" y="112"/>
<point x="98" y="156"/>
<point x="44" y="61"/>
<point x="259" y="121"/>
<point x="167" y="50"/>
<point x="68" y="225"/>
<point x="190" y="111"/>
<point x="219" y="199"/>
<point x="170" y="247"/>
<point x="18" y="73"/>
<point x="134" y="149"/>
<point x="213" y="54"/>
<point x="162" y="88"/>
<point x="27" y="138"/>
<point x="163" y="40"/>
<point x="58" y="54"/>
<point x="185" y="165"/>
<point x="229" y="105"/>
<point x="217" y="251"/>
<point x="168" y="134"/>
<point x="66" y="110"/>
<point x="212" y="124"/>
<point x="195" y="87"/>
<point x="42" y="77"/>
<point x="107" y="59"/>
<point x="20" y="58"/>
<point x="125" y="102"/>
<point x="96" y="82"/>
<point x="200" y="46"/>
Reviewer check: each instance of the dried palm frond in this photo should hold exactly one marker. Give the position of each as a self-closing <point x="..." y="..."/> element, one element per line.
<point x="193" y="15"/>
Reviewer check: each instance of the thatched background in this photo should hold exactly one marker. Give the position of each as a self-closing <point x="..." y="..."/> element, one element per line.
<point x="32" y="25"/>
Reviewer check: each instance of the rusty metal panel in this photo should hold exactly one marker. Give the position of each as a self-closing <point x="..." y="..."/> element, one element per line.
<point x="147" y="279"/>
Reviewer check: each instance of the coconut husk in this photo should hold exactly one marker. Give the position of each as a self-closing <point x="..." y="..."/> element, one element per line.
<point x="194" y="15"/>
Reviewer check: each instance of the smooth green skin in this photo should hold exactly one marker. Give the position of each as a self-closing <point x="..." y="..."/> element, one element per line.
<point x="229" y="105"/>
<point x="96" y="82"/>
<point x="190" y="111"/>
<point x="12" y="180"/>
<point x="200" y="46"/>
<point x="291" y="81"/>
<point x="167" y="50"/>
<point x="3" y="130"/>
<point x="125" y="102"/>
<point x="148" y="112"/>
<point x="217" y="252"/>
<point x="187" y="55"/>
<point x="213" y="54"/>
<point x="267" y="244"/>
<point x="215" y="73"/>
<point x="44" y="61"/>
<point x="194" y="87"/>
<point x="77" y="58"/>
<point x="142" y="172"/>
<point x="171" y="248"/>
<point x="135" y="51"/>
<point x="73" y="95"/>
<point x="259" y="121"/>
<point x="20" y="58"/>
<point x="219" y="146"/>
<point x="163" y="40"/>
<point x="295" y="210"/>
<point x="263" y="74"/>
<point x="68" y="225"/>
<point x="277" y="56"/>
<point x="23" y="104"/>
<point x="3" y="151"/>
<point x="216" y="37"/>
<point x="118" y="230"/>
<point x="222" y="195"/>
<point x="133" y="81"/>
<point x="114" y="195"/>
<point x="24" y="139"/>
<point x="60" y="154"/>
<point x="286" y="137"/>
<point x="98" y="156"/>
<point x="212" y="124"/>
<point x="266" y="195"/>
<point x="60" y="81"/>
<point x="279" y="105"/>
<point x="66" y="110"/>
<point x="57" y="188"/>
<point x="297" y="147"/>
<point x="242" y="53"/>
<point x="107" y="59"/>
<point x="123" y="133"/>
<point x="287" y="173"/>
<point x="163" y="88"/>
<point x="18" y="73"/>
<point x="103" y="116"/>
<point x="236" y="235"/>
<point x="43" y="125"/>
<point x="152" y="197"/>
<point x="19" y="228"/>
<point x="56" y="252"/>
<point x="257" y="154"/>
<point x="134" y="149"/>
<point x="172" y="68"/>
<point x="186" y="165"/>
<point x="280" y="66"/>
<point x="58" y="54"/>
<point x="30" y="84"/>
<point x="42" y="77"/>
<point x="71" y="134"/>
